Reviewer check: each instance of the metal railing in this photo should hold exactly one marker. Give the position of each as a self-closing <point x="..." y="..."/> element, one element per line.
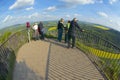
<point x="8" y="51"/>
<point x="103" y="53"/>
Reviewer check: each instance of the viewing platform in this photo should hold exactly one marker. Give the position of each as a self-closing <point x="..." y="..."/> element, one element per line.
<point x="52" y="60"/>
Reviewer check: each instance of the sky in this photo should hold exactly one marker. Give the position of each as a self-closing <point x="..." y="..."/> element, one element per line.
<point x="104" y="12"/>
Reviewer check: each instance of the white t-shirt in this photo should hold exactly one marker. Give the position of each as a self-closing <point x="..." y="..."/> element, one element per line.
<point x="35" y="27"/>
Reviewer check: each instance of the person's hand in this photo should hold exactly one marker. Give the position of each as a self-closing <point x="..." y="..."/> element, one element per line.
<point x="83" y="30"/>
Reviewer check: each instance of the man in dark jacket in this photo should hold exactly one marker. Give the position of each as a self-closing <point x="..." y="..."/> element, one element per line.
<point x="41" y="30"/>
<point x="60" y="29"/>
<point x="72" y="32"/>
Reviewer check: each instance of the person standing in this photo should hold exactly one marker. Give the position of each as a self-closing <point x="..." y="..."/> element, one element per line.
<point x="66" y="31"/>
<point x="60" y="29"/>
<point x="28" y="30"/>
<point x="41" y="30"/>
<point x="36" y="33"/>
<point x="72" y="32"/>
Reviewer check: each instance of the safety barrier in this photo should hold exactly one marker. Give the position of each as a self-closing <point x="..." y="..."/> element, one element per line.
<point x="8" y="51"/>
<point x="103" y="53"/>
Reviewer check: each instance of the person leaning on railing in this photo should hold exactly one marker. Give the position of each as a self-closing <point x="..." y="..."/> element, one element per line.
<point x="72" y="32"/>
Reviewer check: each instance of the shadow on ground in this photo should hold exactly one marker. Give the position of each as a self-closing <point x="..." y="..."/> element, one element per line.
<point x="23" y="72"/>
<point x="56" y="42"/>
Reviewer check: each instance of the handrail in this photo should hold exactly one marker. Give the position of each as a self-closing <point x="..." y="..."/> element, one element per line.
<point x="11" y="37"/>
<point x="103" y="53"/>
<point x="8" y="51"/>
<point x="103" y="39"/>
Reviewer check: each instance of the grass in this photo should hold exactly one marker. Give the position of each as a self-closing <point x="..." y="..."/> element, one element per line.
<point x="107" y="62"/>
<point x="96" y="52"/>
<point x="101" y="27"/>
<point x="5" y="36"/>
<point x="52" y="29"/>
<point x="100" y="53"/>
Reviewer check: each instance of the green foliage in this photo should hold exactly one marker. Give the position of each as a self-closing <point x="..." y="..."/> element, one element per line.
<point x="106" y="57"/>
<point x="108" y="63"/>
<point x="50" y="36"/>
<point x="5" y="36"/>
<point x="110" y="35"/>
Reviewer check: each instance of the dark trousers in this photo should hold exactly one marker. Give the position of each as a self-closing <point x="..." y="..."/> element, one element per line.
<point x="42" y="35"/>
<point x="66" y="37"/>
<point x="73" y="40"/>
<point x="60" y="32"/>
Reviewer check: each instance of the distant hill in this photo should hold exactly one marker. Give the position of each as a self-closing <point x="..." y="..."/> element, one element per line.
<point x="12" y="28"/>
<point x="102" y="31"/>
<point x="97" y="29"/>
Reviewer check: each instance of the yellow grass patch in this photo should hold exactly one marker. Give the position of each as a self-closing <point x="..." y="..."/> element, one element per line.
<point x="101" y="27"/>
<point x="100" y="53"/>
<point x="52" y="29"/>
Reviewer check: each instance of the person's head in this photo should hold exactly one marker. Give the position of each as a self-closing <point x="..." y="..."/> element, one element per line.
<point x="68" y="21"/>
<point x="40" y="21"/>
<point x="75" y="19"/>
<point x="61" y="20"/>
<point x="27" y="22"/>
<point x="36" y="23"/>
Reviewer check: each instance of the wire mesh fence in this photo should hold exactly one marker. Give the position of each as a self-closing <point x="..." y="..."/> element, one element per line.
<point x="8" y="51"/>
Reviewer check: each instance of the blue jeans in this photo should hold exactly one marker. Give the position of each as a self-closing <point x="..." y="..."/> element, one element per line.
<point x="60" y="32"/>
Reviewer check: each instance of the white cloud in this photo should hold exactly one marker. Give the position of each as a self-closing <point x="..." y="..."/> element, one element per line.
<point x="67" y="16"/>
<point x="76" y="15"/>
<point x="111" y="20"/>
<point x="80" y="1"/>
<point x="37" y="17"/>
<point x="21" y="3"/>
<point x="30" y="8"/>
<point x="7" y="18"/>
<point x="34" y="15"/>
<point x="51" y="8"/>
<point x="118" y="24"/>
<point x="112" y="1"/>
<point x="103" y="14"/>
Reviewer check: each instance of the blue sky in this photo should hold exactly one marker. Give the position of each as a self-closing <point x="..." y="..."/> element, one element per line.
<point x="105" y="12"/>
